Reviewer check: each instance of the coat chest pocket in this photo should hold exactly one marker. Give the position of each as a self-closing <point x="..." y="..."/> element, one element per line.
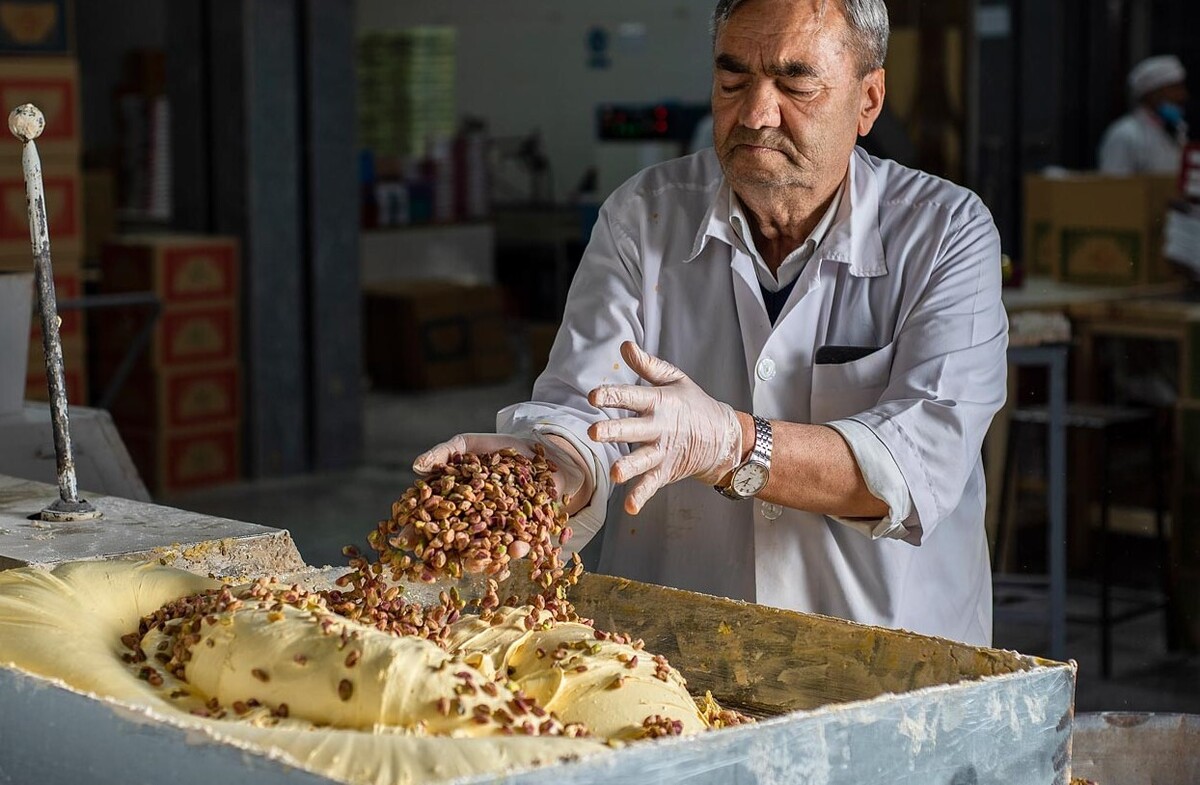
<point x="844" y="389"/>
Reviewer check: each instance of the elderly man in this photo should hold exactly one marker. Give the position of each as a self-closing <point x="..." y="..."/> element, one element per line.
<point x="787" y="352"/>
<point x="1151" y="138"/>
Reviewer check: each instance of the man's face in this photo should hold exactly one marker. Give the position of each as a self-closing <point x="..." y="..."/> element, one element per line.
<point x="788" y="103"/>
<point x="1176" y="94"/>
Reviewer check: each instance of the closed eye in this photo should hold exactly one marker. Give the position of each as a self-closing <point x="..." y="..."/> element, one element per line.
<point x="804" y="89"/>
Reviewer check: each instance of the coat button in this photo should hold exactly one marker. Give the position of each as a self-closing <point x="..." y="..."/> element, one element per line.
<point x="771" y="511"/>
<point x="766" y="369"/>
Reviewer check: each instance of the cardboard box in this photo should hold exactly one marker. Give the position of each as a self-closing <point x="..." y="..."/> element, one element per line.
<point x="1189" y="173"/>
<point x="1095" y="229"/>
<point x="171" y="399"/>
<point x="75" y="369"/>
<point x="68" y="285"/>
<point x="184" y="336"/>
<point x="64" y="213"/>
<point x="1038" y="256"/>
<point x="52" y="85"/>
<point x="75" y="353"/>
<point x="36" y="388"/>
<point x="172" y="461"/>
<point x="99" y="210"/>
<point x="181" y="269"/>
<point x="35" y="27"/>
<point x="431" y="334"/>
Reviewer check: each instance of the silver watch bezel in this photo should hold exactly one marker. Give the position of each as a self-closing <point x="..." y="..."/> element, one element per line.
<point x="761" y="473"/>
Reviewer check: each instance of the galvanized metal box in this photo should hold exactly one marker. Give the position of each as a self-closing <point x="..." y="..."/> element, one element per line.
<point x="840" y="704"/>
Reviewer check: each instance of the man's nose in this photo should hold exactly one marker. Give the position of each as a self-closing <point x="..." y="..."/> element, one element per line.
<point x="760" y="109"/>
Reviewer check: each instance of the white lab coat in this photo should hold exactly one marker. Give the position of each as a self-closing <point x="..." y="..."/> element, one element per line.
<point x="1139" y="144"/>
<point x="912" y="266"/>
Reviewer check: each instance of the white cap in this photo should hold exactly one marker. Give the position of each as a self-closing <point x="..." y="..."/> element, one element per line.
<point x="1155" y="72"/>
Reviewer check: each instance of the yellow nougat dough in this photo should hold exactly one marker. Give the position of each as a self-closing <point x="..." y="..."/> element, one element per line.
<point x="396" y="681"/>
<point x="66" y="626"/>
<point x="578" y="696"/>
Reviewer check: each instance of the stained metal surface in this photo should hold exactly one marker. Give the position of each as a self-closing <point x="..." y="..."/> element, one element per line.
<point x="137" y="530"/>
<point x="994" y="732"/>
<point x="55" y="736"/>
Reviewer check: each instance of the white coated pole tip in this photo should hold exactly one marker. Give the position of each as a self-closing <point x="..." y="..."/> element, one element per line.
<point x="26" y="122"/>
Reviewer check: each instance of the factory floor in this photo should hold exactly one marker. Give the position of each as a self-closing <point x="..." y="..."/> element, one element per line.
<point x="325" y="512"/>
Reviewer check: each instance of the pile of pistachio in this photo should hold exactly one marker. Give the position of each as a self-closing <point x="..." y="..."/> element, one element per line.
<point x="475" y="514"/>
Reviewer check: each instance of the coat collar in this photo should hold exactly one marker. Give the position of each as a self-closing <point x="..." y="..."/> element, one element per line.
<point x="854" y="239"/>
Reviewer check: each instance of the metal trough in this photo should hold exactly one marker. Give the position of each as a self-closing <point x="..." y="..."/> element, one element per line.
<point x="839" y="704"/>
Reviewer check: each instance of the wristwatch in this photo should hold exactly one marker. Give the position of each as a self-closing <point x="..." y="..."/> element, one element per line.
<point x="751" y="477"/>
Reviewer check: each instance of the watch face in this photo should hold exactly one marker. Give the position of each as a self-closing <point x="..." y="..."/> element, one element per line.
<point x="749" y="479"/>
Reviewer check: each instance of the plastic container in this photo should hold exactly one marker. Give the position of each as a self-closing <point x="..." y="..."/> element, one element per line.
<point x="16" y="304"/>
<point x="1119" y="748"/>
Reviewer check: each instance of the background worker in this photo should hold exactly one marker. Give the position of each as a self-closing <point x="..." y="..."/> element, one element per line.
<point x="1150" y="139"/>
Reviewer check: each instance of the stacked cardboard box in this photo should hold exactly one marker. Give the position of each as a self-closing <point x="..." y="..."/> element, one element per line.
<point x="179" y="412"/>
<point x="41" y="27"/>
<point x="406" y="89"/>
<point x="424" y="335"/>
<point x="1095" y="229"/>
<point x="52" y="84"/>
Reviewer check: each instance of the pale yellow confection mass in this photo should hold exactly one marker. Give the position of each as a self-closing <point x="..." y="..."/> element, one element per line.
<point x="609" y="687"/>
<point x="340" y="698"/>
<point x="394" y="681"/>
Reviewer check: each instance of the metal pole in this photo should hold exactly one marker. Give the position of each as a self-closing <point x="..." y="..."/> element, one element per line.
<point x="26" y="123"/>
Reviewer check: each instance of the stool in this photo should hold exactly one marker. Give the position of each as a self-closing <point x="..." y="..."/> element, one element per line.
<point x="1104" y="420"/>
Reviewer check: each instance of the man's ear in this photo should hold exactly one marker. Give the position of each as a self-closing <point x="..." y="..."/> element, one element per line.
<point x="873" y="90"/>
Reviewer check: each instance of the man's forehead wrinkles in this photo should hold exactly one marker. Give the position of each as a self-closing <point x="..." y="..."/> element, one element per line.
<point x="788" y="69"/>
<point x="732" y="63"/>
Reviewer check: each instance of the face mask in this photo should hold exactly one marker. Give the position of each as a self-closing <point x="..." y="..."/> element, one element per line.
<point x="1171" y="113"/>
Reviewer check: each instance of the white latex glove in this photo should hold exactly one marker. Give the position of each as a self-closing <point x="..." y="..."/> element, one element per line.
<point x="573" y="478"/>
<point x="683" y="432"/>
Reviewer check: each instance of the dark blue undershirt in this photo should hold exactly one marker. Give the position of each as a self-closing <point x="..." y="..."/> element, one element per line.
<point x="776" y="300"/>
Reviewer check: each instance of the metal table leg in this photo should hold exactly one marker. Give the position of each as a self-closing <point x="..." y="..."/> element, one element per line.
<point x="1056" y="500"/>
<point x="1053" y="357"/>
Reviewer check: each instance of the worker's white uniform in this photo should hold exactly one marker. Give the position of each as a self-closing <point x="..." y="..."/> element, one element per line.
<point x="911" y="265"/>
<point x="1138" y="143"/>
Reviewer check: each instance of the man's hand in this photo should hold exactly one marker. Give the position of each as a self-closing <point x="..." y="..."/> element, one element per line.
<point x="683" y="431"/>
<point x="573" y="478"/>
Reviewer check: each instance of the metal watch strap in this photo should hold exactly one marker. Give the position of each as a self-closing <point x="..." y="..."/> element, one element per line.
<point x="764" y="442"/>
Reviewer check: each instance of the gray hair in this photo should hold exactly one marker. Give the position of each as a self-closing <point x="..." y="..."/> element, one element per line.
<point x="868" y="21"/>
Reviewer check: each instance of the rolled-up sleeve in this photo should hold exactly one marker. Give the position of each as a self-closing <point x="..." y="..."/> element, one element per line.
<point x="884" y="480"/>
<point x="603" y="309"/>
<point x="948" y="376"/>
